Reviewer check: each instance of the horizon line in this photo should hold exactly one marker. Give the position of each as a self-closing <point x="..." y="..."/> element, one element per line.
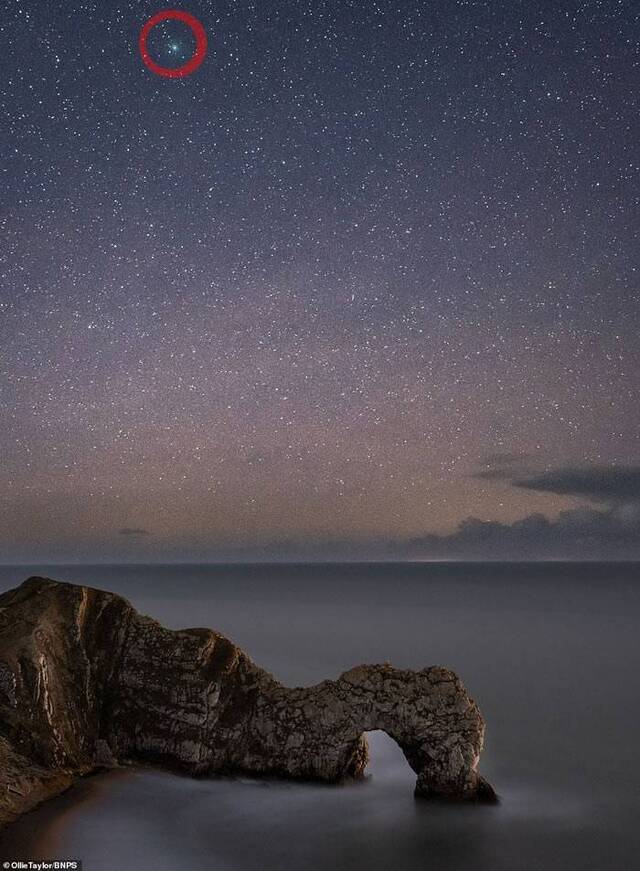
<point x="327" y="562"/>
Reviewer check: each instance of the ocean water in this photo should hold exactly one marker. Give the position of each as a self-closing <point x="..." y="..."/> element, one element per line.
<point x="550" y="652"/>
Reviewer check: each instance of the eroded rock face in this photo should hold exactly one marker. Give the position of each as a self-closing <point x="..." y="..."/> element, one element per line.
<point x="86" y="682"/>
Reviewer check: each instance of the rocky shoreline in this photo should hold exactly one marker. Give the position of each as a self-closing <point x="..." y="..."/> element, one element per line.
<point x="87" y="683"/>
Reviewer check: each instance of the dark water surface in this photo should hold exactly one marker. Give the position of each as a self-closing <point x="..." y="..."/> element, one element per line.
<point x="551" y="652"/>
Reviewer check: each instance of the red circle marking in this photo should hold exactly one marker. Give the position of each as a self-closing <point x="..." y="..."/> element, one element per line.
<point x="201" y="44"/>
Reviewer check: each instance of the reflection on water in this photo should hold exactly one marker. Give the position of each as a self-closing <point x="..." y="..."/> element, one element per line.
<point x="549" y="652"/>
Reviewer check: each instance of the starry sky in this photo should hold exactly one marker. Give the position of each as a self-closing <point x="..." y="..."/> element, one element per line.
<point x="365" y="285"/>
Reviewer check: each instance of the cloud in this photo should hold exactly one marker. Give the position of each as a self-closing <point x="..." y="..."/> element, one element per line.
<point x="598" y="484"/>
<point x="609" y="531"/>
<point x="133" y="531"/>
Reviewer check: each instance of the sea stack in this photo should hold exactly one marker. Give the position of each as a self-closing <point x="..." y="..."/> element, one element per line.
<point x="86" y="682"/>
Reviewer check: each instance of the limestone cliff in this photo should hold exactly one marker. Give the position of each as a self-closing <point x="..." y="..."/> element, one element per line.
<point x="86" y="682"/>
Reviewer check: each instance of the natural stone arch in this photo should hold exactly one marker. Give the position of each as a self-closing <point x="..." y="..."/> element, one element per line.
<point x="428" y="713"/>
<point x="86" y="682"/>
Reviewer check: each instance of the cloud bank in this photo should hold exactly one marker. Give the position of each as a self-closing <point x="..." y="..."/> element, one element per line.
<point x="609" y="528"/>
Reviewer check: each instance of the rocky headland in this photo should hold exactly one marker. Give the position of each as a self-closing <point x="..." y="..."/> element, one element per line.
<point x="86" y="683"/>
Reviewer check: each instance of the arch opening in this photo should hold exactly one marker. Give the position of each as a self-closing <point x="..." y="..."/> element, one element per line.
<point x="387" y="763"/>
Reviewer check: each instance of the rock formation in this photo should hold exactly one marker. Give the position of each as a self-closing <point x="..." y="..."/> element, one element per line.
<point x="86" y="683"/>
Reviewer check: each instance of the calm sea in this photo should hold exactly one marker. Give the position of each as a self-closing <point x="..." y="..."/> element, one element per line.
<point x="551" y="653"/>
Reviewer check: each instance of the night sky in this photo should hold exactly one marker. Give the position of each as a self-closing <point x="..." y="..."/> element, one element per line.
<point x="366" y="284"/>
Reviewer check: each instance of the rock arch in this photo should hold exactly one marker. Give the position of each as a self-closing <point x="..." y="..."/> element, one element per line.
<point x="87" y="682"/>
<point x="428" y="713"/>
